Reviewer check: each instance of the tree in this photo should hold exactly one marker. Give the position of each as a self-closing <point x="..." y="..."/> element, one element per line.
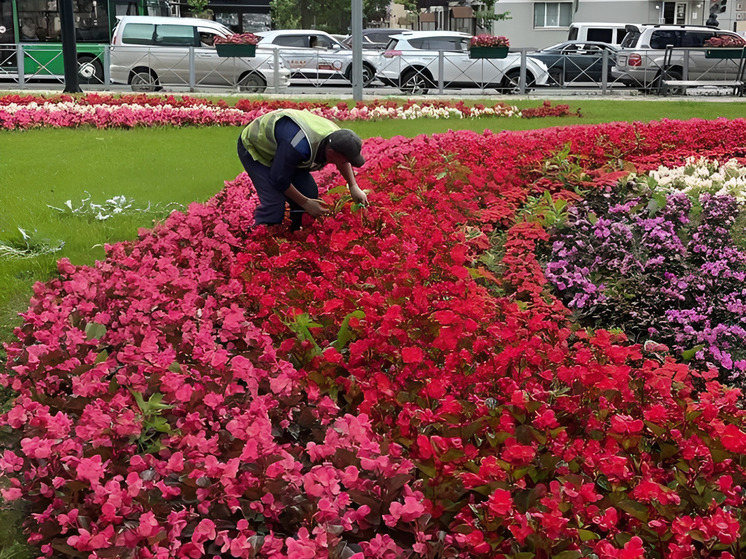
<point x="375" y="10"/>
<point x="485" y="14"/>
<point x="285" y="14"/>
<point x="198" y="8"/>
<point x="332" y="16"/>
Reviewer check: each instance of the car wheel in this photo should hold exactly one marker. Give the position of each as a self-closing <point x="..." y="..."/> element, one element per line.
<point x="414" y="82"/>
<point x="144" y="80"/>
<point x="512" y="81"/>
<point x="252" y="83"/>
<point x="369" y="74"/>
<point x="90" y="70"/>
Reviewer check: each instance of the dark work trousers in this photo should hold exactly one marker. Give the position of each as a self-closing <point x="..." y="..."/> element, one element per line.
<point x="271" y="209"/>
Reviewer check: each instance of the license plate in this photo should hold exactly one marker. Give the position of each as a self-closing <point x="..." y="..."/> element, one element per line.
<point x="621" y="60"/>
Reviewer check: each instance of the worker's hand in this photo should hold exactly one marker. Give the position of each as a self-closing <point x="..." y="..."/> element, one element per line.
<point x="316" y="207"/>
<point x="358" y="196"/>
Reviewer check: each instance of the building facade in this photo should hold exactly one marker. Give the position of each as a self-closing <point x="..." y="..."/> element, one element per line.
<point x="540" y="24"/>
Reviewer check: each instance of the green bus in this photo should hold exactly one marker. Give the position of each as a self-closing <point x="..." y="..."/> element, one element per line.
<point x="35" y="25"/>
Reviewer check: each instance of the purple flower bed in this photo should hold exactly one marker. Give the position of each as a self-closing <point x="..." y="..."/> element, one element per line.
<point x="663" y="268"/>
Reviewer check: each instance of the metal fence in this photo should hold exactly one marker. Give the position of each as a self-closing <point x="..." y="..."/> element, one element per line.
<point x="273" y="70"/>
<point x="677" y="69"/>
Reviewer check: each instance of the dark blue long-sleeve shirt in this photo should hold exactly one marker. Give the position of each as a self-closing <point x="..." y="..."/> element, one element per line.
<point x="292" y="149"/>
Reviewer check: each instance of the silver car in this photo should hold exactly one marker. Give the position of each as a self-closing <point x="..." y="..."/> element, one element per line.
<point x="412" y="62"/>
<point x="643" y="57"/>
<point x="150" y="52"/>
<point x="316" y="58"/>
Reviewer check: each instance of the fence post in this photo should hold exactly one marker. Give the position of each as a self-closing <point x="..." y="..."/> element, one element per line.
<point x="276" y="58"/>
<point x="441" y="69"/>
<point x="107" y="64"/>
<point x="604" y="72"/>
<point x="20" y="66"/>
<point x="192" y="72"/>
<point x="522" y="80"/>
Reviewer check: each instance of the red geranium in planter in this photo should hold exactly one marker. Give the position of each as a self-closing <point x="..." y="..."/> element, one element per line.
<point x="238" y="39"/>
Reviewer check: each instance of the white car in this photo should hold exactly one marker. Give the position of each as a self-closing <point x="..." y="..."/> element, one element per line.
<point x="148" y="52"/>
<point x="411" y="62"/>
<point x="317" y="58"/>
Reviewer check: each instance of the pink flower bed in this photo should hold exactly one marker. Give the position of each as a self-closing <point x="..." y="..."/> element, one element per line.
<point x="388" y="383"/>
<point x="19" y="112"/>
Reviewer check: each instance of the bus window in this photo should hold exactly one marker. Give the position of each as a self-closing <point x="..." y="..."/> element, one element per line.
<point x="7" y="38"/>
<point x="157" y="8"/>
<point x="7" y="31"/>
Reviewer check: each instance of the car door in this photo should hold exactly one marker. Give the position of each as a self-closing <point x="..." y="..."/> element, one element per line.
<point x="309" y="57"/>
<point x="456" y="64"/>
<point x="209" y="68"/>
<point x="331" y="59"/>
<point x="583" y="63"/>
<point x="170" y="53"/>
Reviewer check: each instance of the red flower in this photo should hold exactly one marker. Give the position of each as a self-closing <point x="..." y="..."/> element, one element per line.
<point x="500" y="503"/>
<point x="733" y="439"/>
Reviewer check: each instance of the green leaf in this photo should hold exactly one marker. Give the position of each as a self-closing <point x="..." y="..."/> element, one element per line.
<point x="719" y="455"/>
<point x="344" y="335"/>
<point x="94" y="331"/>
<point x="427" y="469"/>
<point x="587" y="535"/>
<point x="341" y="189"/>
<point x="657" y="430"/>
<point x="668" y="450"/>
<point x="101" y="357"/>
<point x="687" y="355"/>
<point x="634" y="509"/>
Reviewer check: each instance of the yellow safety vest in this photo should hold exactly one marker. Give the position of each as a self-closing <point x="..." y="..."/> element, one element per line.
<point x="259" y="137"/>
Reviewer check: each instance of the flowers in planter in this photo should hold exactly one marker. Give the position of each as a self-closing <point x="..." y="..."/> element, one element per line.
<point x="485" y="40"/>
<point x="725" y="41"/>
<point x="238" y="39"/>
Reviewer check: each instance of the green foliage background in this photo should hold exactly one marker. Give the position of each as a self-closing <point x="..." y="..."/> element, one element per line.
<point x="332" y="16"/>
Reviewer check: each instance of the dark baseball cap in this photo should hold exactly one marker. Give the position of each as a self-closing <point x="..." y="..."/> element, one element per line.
<point x="349" y="144"/>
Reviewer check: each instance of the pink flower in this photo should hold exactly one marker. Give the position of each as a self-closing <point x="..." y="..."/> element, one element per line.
<point x="410" y="510"/>
<point x="91" y="469"/>
<point x="205" y="531"/>
<point x="148" y="526"/>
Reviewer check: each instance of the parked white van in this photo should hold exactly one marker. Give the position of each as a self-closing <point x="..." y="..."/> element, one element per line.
<point x="611" y="33"/>
<point x="148" y="52"/>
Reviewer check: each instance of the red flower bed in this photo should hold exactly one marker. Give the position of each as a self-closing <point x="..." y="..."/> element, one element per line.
<point x="127" y="111"/>
<point x="392" y="382"/>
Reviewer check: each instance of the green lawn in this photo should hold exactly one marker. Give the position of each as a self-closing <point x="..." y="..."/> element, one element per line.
<point x="161" y="166"/>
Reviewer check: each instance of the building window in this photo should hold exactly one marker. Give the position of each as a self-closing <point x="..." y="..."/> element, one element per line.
<point x="552" y="14"/>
